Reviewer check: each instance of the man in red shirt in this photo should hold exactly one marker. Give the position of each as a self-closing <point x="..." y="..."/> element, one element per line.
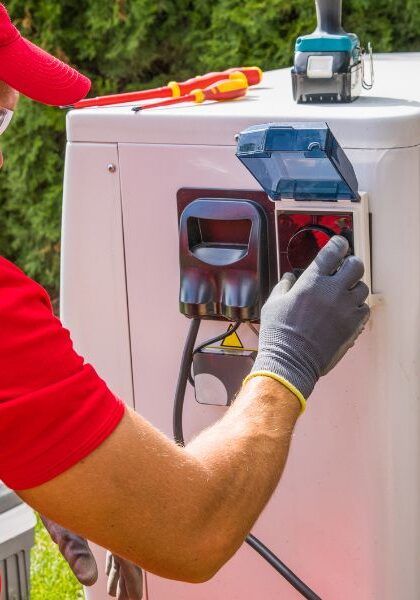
<point x="74" y="452"/>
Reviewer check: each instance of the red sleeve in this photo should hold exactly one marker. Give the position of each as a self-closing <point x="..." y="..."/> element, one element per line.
<point x="54" y="408"/>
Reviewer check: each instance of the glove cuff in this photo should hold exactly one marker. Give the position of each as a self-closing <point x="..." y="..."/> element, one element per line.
<point x="289" y="357"/>
<point x="281" y="380"/>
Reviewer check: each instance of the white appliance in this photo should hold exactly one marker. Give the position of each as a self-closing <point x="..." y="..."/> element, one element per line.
<point x="346" y="515"/>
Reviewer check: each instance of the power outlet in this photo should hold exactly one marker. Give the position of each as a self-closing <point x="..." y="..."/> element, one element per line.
<point x="304" y="227"/>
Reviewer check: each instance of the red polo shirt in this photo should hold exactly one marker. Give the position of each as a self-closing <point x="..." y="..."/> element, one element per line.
<point x="54" y="408"/>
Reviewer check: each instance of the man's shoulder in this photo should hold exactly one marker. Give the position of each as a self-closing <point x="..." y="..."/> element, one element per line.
<point x="11" y="272"/>
<point x="15" y="284"/>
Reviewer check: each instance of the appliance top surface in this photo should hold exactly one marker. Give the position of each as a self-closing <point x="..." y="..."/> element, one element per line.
<point x="388" y="116"/>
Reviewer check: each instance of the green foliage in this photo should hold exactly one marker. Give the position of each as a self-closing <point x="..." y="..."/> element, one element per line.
<point x="130" y="44"/>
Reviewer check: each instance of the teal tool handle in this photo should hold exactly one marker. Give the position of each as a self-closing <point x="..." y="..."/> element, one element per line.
<point x="328" y="14"/>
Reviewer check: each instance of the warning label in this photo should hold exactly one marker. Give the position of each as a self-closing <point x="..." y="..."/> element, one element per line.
<point x="232" y="340"/>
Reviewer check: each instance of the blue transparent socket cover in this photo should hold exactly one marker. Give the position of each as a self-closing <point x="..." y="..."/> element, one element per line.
<point x="301" y="161"/>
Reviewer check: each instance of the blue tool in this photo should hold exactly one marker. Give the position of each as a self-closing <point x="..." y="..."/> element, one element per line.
<point x="329" y="63"/>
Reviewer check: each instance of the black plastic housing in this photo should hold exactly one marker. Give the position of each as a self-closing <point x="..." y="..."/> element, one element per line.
<point x="223" y="259"/>
<point x="343" y="87"/>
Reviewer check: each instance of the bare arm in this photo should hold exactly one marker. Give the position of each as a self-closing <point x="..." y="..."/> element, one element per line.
<point x="185" y="511"/>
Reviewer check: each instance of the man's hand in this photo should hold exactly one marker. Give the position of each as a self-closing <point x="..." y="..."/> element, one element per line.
<point x="308" y="326"/>
<point x="125" y="580"/>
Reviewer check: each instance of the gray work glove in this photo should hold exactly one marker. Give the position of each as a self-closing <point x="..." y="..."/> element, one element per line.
<point x="75" y="550"/>
<point x="125" y="579"/>
<point x="308" y="326"/>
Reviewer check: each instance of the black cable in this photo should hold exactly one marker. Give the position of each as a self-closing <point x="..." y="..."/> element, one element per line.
<point x="181" y="385"/>
<point x="281" y="568"/>
<point x="210" y="342"/>
<point x="184" y="373"/>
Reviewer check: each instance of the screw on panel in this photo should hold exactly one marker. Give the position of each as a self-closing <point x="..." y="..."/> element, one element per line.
<point x="314" y="146"/>
<point x="111" y="168"/>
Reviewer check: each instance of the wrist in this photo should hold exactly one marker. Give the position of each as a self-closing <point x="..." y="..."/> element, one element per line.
<point x="292" y="360"/>
<point x="268" y="389"/>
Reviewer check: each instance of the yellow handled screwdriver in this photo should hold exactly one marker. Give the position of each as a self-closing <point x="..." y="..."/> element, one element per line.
<point x="174" y="89"/>
<point x="226" y="89"/>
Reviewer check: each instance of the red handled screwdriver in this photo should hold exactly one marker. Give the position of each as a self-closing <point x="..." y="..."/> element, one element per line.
<point x="227" y="89"/>
<point x="174" y="89"/>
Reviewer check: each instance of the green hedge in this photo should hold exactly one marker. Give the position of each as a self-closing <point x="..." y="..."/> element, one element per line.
<point x="129" y="44"/>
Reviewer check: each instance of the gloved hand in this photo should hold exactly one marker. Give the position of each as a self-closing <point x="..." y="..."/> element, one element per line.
<point x="75" y="550"/>
<point x="308" y="326"/>
<point x="125" y="579"/>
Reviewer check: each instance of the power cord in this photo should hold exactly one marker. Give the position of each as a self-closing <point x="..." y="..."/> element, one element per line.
<point x="183" y="378"/>
<point x="181" y="386"/>
<point x="281" y="568"/>
<point x="210" y="342"/>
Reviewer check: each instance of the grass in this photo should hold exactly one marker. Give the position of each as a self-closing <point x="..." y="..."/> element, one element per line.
<point x="51" y="578"/>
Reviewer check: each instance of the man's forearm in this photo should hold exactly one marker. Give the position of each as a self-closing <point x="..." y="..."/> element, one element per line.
<point x="182" y="512"/>
<point x="244" y="455"/>
<point x="178" y="512"/>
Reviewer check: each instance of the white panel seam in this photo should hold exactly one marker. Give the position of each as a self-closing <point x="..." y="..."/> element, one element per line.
<point x="125" y="279"/>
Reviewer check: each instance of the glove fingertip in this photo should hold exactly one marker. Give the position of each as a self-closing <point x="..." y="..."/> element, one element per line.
<point x="331" y="255"/>
<point x="89" y="579"/>
<point x="108" y="563"/>
<point x="289" y="278"/>
<point x="112" y="588"/>
<point x="366" y="309"/>
<point x="285" y="284"/>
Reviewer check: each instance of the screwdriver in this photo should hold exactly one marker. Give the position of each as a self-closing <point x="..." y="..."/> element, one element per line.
<point x="174" y="89"/>
<point x="227" y="89"/>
